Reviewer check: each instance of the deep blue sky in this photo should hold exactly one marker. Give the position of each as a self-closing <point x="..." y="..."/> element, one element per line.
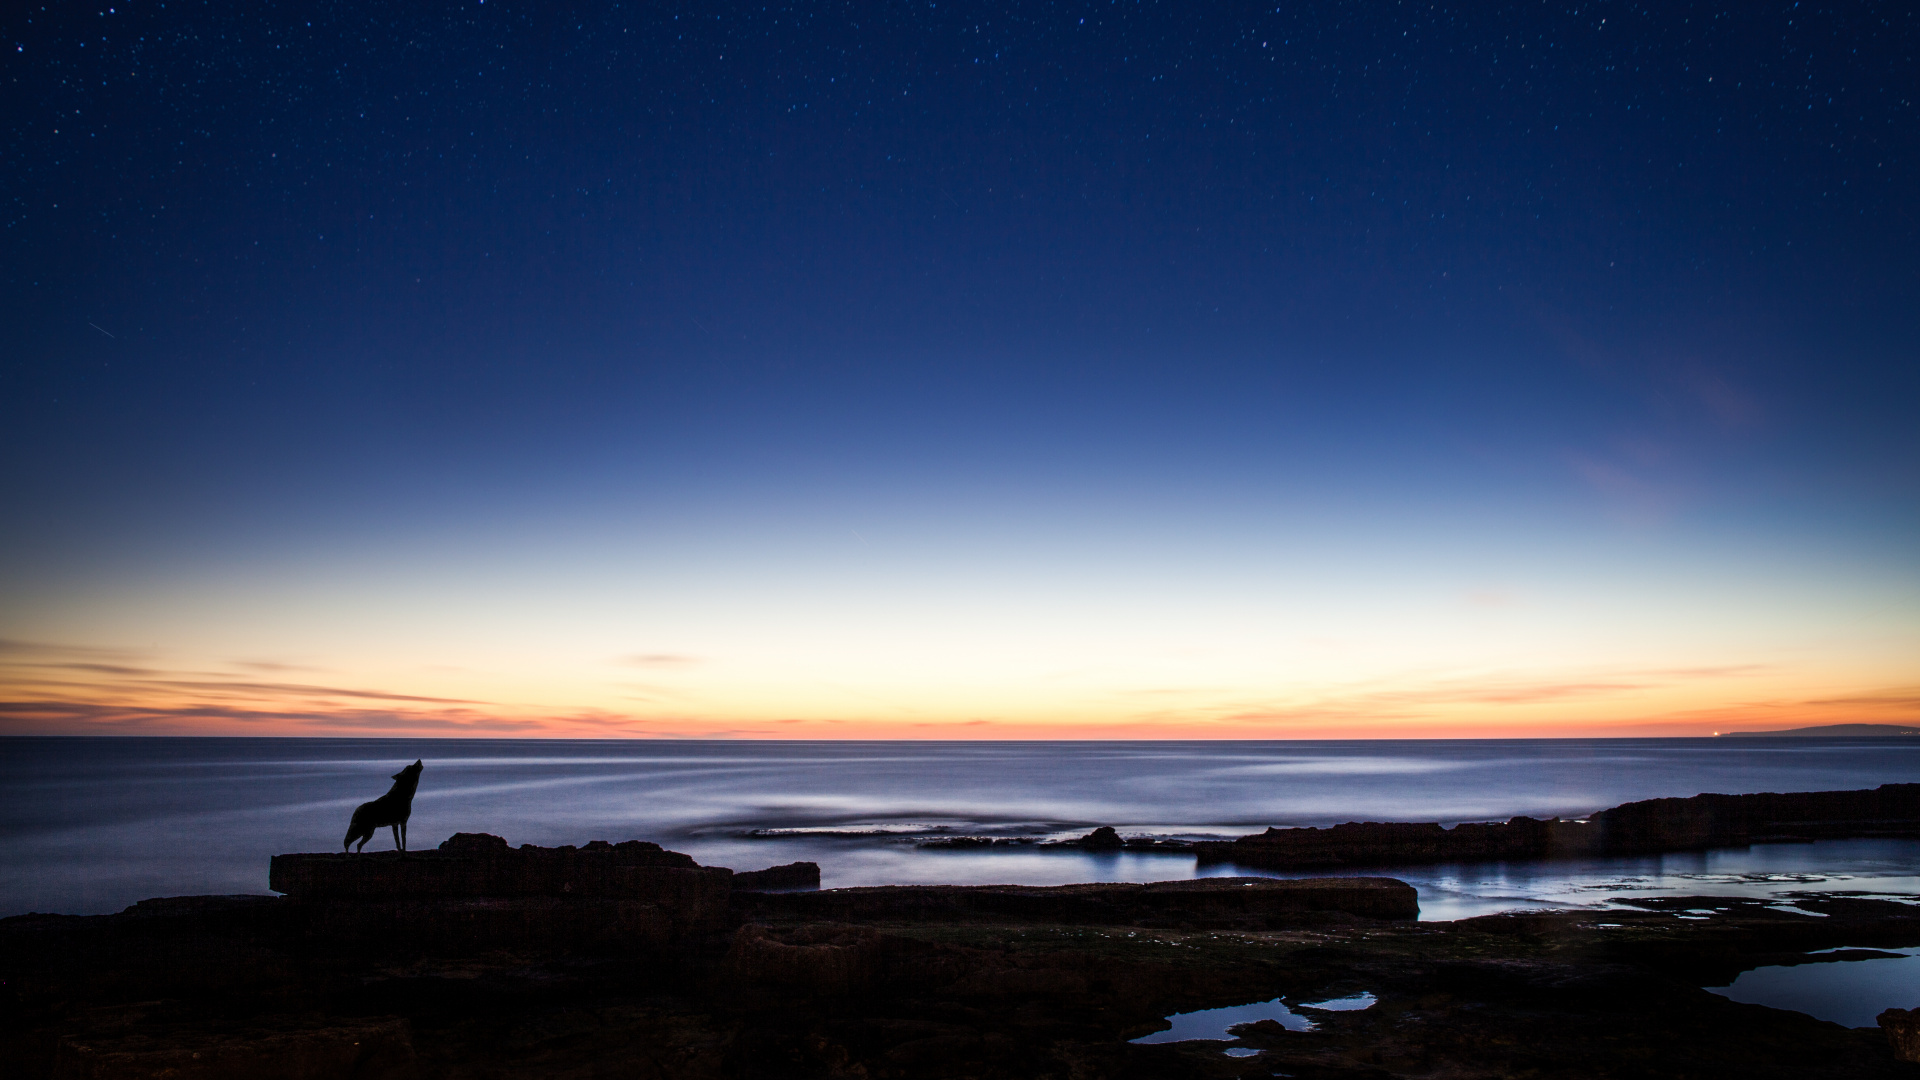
<point x="278" y="276"/>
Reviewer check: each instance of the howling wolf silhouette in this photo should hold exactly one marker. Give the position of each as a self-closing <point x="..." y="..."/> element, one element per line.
<point x="393" y="808"/>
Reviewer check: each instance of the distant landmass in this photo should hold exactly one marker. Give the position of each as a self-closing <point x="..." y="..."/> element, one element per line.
<point x="1833" y="729"/>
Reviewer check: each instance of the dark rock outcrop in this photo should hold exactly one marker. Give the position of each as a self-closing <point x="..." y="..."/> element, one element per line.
<point x="1702" y="821"/>
<point x="1646" y="827"/>
<point x="476" y="892"/>
<point x="1103" y="838"/>
<point x="797" y="875"/>
<point x="1374" y="843"/>
<point x="1902" y="1027"/>
<point x="481" y="865"/>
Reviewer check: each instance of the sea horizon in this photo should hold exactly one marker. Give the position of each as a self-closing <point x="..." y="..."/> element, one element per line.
<point x="1782" y="733"/>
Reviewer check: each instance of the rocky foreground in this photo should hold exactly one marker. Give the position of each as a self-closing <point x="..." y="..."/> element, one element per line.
<point x="479" y="960"/>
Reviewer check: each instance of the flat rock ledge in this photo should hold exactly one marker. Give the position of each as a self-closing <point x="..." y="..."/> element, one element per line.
<point x="482" y="865"/>
<point x="479" y="864"/>
<point x="1217" y="901"/>
<point x="475" y="893"/>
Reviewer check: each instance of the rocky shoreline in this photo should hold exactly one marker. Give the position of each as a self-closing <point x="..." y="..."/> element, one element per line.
<point x="481" y="960"/>
<point x="1648" y="827"/>
<point x="1652" y="826"/>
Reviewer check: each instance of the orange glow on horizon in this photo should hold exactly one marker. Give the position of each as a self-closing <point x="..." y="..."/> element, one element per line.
<point x="54" y="691"/>
<point x="1320" y="644"/>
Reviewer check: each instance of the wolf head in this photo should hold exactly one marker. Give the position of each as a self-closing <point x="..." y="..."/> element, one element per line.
<point x="411" y="770"/>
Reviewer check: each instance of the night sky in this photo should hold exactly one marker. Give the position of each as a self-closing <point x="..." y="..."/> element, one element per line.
<point x="958" y="369"/>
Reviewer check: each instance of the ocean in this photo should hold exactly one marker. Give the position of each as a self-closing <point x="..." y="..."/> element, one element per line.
<point x="91" y="825"/>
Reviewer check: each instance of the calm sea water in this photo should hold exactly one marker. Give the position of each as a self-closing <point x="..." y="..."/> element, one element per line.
<point x="91" y="825"/>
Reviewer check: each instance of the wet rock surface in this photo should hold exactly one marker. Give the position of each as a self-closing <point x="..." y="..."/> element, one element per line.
<point x="921" y="982"/>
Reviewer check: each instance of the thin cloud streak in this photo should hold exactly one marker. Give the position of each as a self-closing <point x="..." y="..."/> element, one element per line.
<point x="659" y="660"/>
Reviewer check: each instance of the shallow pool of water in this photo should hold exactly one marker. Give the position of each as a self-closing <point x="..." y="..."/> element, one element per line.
<point x="1213" y="1024"/>
<point x="1848" y="992"/>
